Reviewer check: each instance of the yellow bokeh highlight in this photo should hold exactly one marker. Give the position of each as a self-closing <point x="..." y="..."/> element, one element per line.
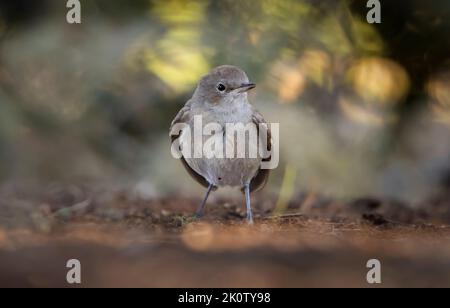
<point x="439" y="90"/>
<point x="180" y="68"/>
<point x="292" y="75"/>
<point x="179" y="12"/>
<point x="315" y="65"/>
<point x="289" y="82"/>
<point x="178" y="57"/>
<point x="379" y="80"/>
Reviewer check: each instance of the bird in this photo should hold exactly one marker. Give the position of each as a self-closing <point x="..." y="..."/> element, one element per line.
<point x="221" y="98"/>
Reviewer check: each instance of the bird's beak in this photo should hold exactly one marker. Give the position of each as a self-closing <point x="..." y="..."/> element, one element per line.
<point x="245" y="87"/>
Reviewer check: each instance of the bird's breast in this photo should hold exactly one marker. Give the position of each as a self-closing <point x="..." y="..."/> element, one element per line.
<point x="238" y="162"/>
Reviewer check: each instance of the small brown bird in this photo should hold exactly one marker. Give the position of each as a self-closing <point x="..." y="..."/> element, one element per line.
<point x="221" y="98"/>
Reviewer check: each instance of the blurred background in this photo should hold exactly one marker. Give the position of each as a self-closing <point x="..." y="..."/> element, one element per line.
<point x="364" y="110"/>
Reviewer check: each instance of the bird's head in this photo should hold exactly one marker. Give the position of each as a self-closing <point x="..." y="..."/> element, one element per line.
<point x="223" y="84"/>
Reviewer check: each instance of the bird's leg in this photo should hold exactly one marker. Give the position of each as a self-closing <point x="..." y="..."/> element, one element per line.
<point x="248" y="205"/>
<point x="200" y="209"/>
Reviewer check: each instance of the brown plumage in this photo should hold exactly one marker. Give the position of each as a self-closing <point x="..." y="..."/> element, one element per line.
<point x="221" y="97"/>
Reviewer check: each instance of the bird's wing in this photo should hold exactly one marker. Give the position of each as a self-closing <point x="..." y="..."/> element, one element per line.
<point x="261" y="177"/>
<point x="182" y="117"/>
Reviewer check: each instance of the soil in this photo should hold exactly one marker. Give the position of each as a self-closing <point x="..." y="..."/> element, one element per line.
<point x="124" y="241"/>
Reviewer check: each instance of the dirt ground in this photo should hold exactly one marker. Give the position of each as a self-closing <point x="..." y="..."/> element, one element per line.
<point x="122" y="241"/>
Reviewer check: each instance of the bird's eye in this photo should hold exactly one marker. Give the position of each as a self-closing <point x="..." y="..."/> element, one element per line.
<point x="221" y="87"/>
